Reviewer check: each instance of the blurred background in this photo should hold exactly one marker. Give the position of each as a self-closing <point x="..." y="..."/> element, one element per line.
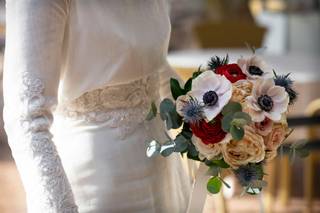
<point x="287" y="33"/>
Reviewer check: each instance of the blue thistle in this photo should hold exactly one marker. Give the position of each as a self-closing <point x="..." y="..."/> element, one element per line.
<point x="192" y="111"/>
<point x="286" y="82"/>
<point x="247" y="174"/>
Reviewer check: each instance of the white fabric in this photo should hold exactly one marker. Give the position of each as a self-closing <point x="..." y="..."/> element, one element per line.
<point x="94" y="66"/>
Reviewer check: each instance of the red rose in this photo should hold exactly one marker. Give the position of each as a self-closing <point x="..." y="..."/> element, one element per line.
<point x="232" y="72"/>
<point x="209" y="133"/>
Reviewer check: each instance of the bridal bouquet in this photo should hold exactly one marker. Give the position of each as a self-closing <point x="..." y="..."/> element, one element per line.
<point x="231" y="115"/>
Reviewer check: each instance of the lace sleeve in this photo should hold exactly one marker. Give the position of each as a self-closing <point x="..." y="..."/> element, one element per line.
<point x="35" y="32"/>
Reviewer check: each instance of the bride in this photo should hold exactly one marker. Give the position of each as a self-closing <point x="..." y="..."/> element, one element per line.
<point x="79" y="77"/>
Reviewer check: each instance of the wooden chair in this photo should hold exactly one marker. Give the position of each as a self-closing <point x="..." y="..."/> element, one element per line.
<point x="313" y="133"/>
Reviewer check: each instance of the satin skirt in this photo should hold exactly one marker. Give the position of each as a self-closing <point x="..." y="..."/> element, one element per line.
<point x="111" y="173"/>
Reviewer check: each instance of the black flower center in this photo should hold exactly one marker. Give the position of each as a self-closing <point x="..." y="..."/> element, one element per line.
<point x="254" y="70"/>
<point x="265" y="102"/>
<point x="210" y="98"/>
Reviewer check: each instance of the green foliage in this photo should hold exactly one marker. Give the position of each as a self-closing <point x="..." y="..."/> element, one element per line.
<point x="169" y="114"/>
<point x="153" y="112"/>
<point x="237" y="132"/>
<point x="216" y="62"/>
<point x="214" y="185"/>
<point x="213" y="171"/>
<point x="167" y="148"/>
<point x="221" y="163"/>
<point x="153" y="148"/>
<point x="181" y="143"/>
<point x="234" y="120"/>
<point x="176" y="90"/>
<point x="231" y="107"/>
<point x="188" y="86"/>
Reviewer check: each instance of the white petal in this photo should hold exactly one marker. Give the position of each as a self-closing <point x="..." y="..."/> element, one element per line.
<point x="252" y="103"/>
<point x="265" y="86"/>
<point x="275" y="91"/>
<point x="208" y="80"/>
<point x="257" y="116"/>
<point x="211" y="112"/>
<point x="281" y="106"/>
<point x="275" y="116"/>
<point x="225" y="86"/>
<point x="224" y="99"/>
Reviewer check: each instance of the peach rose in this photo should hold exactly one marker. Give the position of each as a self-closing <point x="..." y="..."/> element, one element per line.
<point x="209" y="151"/>
<point x="276" y="137"/>
<point x="248" y="150"/>
<point x="241" y="89"/>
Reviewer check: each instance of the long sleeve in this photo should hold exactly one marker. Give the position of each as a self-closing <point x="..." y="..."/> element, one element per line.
<point x="33" y="57"/>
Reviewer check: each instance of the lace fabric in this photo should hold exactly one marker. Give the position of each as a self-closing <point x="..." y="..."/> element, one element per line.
<point x="51" y="192"/>
<point x="122" y="106"/>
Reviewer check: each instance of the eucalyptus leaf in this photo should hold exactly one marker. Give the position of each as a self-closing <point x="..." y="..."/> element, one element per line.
<point x="237" y="133"/>
<point x="181" y="143"/>
<point x="243" y="115"/>
<point x="192" y="152"/>
<point x="167" y="148"/>
<point x="214" y="185"/>
<point x="232" y="107"/>
<point x="213" y="171"/>
<point x="176" y="90"/>
<point x="253" y="191"/>
<point x="153" y="112"/>
<point x="166" y="106"/>
<point x="153" y="148"/>
<point x="226" y="122"/>
<point x="239" y="122"/>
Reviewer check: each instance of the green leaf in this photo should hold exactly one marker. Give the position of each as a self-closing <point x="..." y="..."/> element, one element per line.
<point x="237" y="133"/>
<point x="197" y="73"/>
<point x="153" y="148"/>
<point x="192" y="152"/>
<point x="188" y="86"/>
<point x="174" y="121"/>
<point x="226" y="122"/>
<point x="169" y="114"/>
<point x="153" y="112"/>
<point x="176" y="90"/>
<point x="221" y="163"/>
<point x="243" y="115"/>
<point x="213" y="171"/>
<point x="181" y="143"/>
<point x="166" y="106"/>
<point x="214" y="185"/>
<point x="231" y="107"/>
<point x="167" y="148"/>
<point x="239" y="122"/>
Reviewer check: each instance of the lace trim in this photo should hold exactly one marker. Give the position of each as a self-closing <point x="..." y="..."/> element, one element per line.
<point x="52" y="192"/>
<point x="123" y="106"/>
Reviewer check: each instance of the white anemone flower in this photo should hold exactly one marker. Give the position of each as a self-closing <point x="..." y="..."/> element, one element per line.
<point x="254" y="67"/>
<point x="213" y="91"/>
<point x="267" y="101"/>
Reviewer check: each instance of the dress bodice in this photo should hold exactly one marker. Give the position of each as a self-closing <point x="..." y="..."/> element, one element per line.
<point x="119" y="41"/>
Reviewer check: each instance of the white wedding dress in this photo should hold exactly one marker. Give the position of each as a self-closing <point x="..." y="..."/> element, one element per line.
<point x="79" y="77"/>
